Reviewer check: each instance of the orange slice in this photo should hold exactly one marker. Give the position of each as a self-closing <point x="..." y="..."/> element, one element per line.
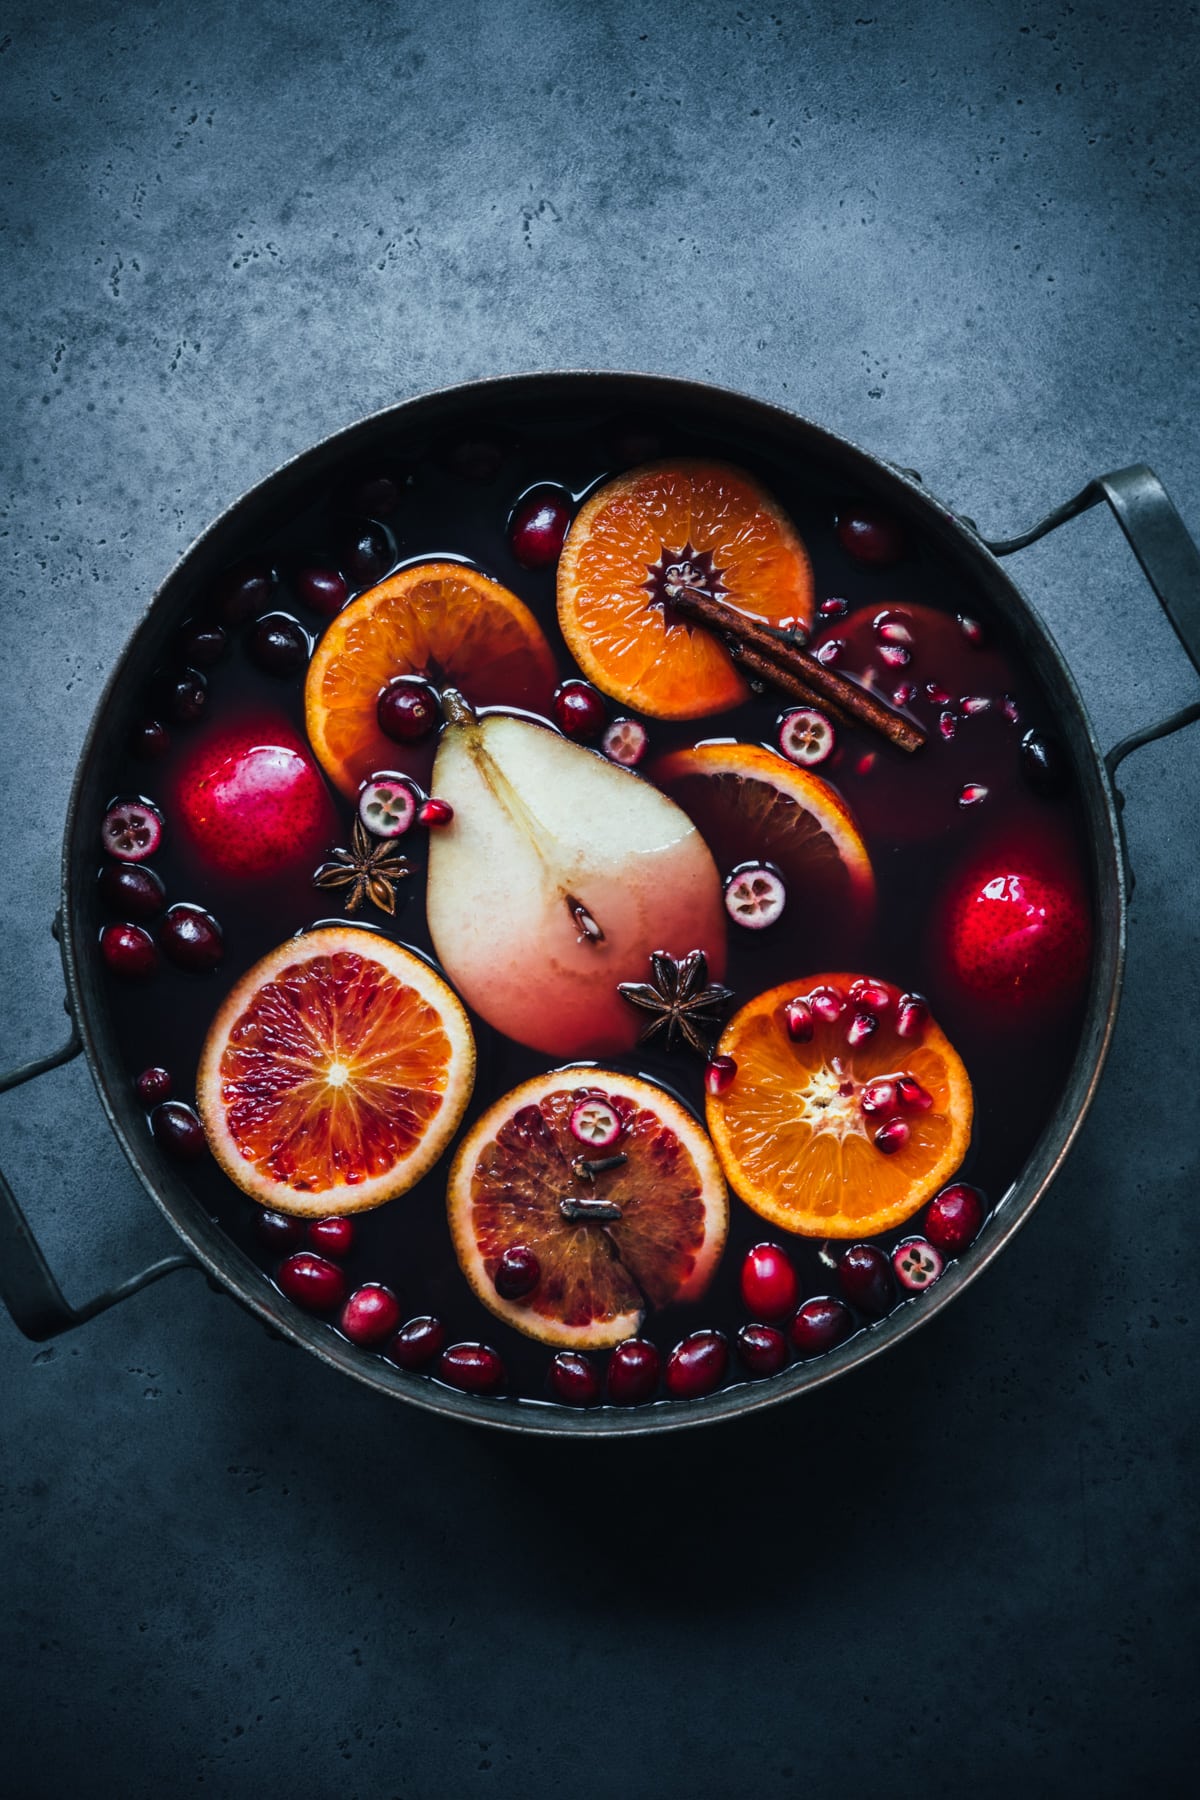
<point x="519" y="1173"/>
<point x="791" y="1129"/>
<point x="750" y="805"/>
<point x="724" y="533"/>
<point x="335" y="1073"/>
<point x="438" y="619"/>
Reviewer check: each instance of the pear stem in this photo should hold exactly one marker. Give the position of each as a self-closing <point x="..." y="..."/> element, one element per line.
<point x="457" y="710"/>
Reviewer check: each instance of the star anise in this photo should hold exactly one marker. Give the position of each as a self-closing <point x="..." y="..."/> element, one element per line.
<point x="370" y="869"/>
<point x="682" y="999"/>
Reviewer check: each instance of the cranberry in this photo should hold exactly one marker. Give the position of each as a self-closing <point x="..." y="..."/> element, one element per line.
<point x="244" y="590"/>
<point x="870" y="536"/>
<point x="132" y="889"/>
<point x="367" y="552"/>
<point x="279" y="645"/>
<point x="203" y="645"/>
<point x="720" y="1074"/>
<point x="178" y="1130"/>
<point x="150" y="740"/>
<point x="435" y="813"/>
<point x="132" y="830"/>
<point x="334" y="1237"/>
<point x="323" y="590"/>
<point x="762" y="1349"/>
<point x="1043" y="764"/>
<point x="866" y="1279"/>
<point x="917" y="1264"/>
<point x="277" y="1231"/>
<point x="408" y="709"/>
<point x="378" y="495"/>
<point x="477" y="460"/>
<point x="954" y="1218"/>
<point x="538" y="526"/>
<point x="633" y="1373"/>
<point x="475" y="1368"/>
<point x="755" y="896"/>
<point x="418" y="1342"/>
<point x="371" y="1314"/>
<point x="573" y="1378"/>
<point x="517" y="1273"/>
<point x="820" y="1324"/>
<point x="625" y="742"/>
<point x="579" y="712"/>
<point x="311" y="1281"/>
<point x="769" y="1286"/>
<point x="387" y="804"/>
<point x="154" y="1085"/>
<point x="128" y="951"/>
<point x="191" y="937"/>
<point x="188" y="696"/>
<point x="697" y="1365"/>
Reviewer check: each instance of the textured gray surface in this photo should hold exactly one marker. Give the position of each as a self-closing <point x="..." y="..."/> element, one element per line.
<point x="965" y="239"/>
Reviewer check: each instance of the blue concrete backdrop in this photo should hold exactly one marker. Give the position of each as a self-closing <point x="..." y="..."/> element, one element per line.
<point x="965" y="236"/>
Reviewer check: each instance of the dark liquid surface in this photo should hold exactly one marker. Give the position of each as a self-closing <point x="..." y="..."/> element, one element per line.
<point x="443" y="513"/>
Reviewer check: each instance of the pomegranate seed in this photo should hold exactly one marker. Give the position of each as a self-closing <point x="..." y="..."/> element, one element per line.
<point x="579" y="711"/>
<point x="768" y="1280"/>
<point x="912" y="1094"/>
<point x="719" y="1075"/>
<point x="830" y="652"/>
<point x="128" y="951"/>
<point x="697" y="1365"/>
<point x="408" y="710"/>
<point x="191" y="938"/>
<point x="387" y="805"/>
<point x="878" y="1097"/>
<point x="418" y="1342"/>
<point x="866" y="1279"/>
<point x="371" y="1314"/>
<point x="973" y="705"/>
<point x="917" y="1264"/>
<point x="762" y="1349"/>
<point x="1008" y="707"/>
<point x="538" y="526"/>
<point x="870" y="536"/>
<point x="890" y="629"/>
<point x="625" y="742"/>
<point x="820" y="1324"/>
<point x="755" y="896"/>
<point x="573" y="1379"/>
<point x="473" y="1368"/>
<point x="947" y="725"/>
<point x="1043" y="764"/>
<point x="132" y="830"/>
<point x="871" y="994"/>
<point x="798" y="1017"/>
<point x="972" y="794"/>
<point x="517" y="1273"/>
<point x="891" y="1136"/>
<point x="278" y="1231"/>
<point x="895" y="656"/>
<point x="972" y="630"/>
<point x="322" y="590"/>
<point x="834" y="608"/>
<point x="862" y="1026"/>
<point x="954" y="1218"/>
<point x="150" y="741"/>
<point x="154" y="1085"/>
<point x="633" y="1373"/>
<point x="905" y="694"/>
<point x="435" y="813"/>
<point x="866" y="763"/>
<point x="311" y="1281"/>
<point x="806" y="736"/>
<point x="335" y="1237"/>
<point x="912" y="1016"/>
<point x="595" y="1123"/>
<point x="827" y="1004"/>
<point x="940" y="696"/>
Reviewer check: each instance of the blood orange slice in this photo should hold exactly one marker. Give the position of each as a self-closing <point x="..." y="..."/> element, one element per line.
<point x="704" y="525"/>
<point x="441" y="620"/>
<point x="610" y="1237"/>
<point x="847" y="1111"/>
<point x="335" y="1074"/>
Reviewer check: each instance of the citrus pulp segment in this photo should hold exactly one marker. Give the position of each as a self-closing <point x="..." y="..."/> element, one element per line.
<point x="658" y="1216"/>
<point x="335" y="1073"/>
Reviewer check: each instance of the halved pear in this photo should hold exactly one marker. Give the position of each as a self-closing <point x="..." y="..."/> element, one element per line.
<point x="558" y="876"/>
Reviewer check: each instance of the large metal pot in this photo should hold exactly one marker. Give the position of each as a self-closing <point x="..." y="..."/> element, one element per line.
<point x="1172" y="565"/>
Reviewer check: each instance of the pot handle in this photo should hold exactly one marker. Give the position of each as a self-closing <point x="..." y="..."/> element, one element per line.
<point x="27" y="1287"/>
<point x="1170" y="561"/>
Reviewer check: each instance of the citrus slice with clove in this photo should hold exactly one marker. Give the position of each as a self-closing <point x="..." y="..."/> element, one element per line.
<point x="701" y="525"/>
<point x="849" y="1107"/>
<point x="613" y="1233"/>
<point x="440" y="620"/>
<point x="335" y="1074"/>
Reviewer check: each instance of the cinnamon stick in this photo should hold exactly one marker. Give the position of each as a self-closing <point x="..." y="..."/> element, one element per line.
<point x="756" y="664"/>
<point x="774" y="658"/>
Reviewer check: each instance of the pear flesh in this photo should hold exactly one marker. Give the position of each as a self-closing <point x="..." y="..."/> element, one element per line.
<point x="557" y="877"/>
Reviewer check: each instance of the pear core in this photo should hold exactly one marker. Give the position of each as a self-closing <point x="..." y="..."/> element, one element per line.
<point x="559" y="875"/>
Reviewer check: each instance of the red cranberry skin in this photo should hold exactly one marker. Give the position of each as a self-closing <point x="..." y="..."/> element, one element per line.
<point x="191" y="938"/>
<point x="370" y="1315"/>
<point x="367" y="552"/>
<point x="633" y="1373"/>
<point x="865" y="1275"/>
<point x="244" y="590"/>
<point x="517" y="1273"/>
<point x="132" y="890"/>
<point x="332" y="1237"/>
<point x="376" y="495"/>
<point x="150" y="741"/>
<point x="954" y="1218"/>
<point x="769" y="1286"/>
<point x="251" y="804"/>
<point x="154" y="1086"/>
<point x="128" y="951"/>
<point x="417" y="1342"/>
<point x="762" y="1350"/>
<point x="408" y="710"/>
<point x="322" y="590"/>
<point x="538" y="526"/>
<point x="579" y="712"/>
<point x="179" y="1131"/>
<point x="279" y="645"/>
<point x="573" y="1379"/>
<point x="188" y="697"/>
<point x="204" y="645"/>
<point x="697" y="1365"/>
<point x="312" y="1282"/>
<point x="472" y="1368"/>
<point x="820" y="1324"/>
<point x="278" y="1231"/>
<point x="1015" y="935"/>
<point x="870" y="536"/>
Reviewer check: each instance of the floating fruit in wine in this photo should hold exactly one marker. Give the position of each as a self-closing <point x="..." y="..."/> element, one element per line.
<point x="640" y="539"/>
<point x="608" y="1234"/>
<point x="250" y="802"/>
<point x="560" y="874"/>
<point x="335" y="1073"/>
<point x="1014" y="934"/>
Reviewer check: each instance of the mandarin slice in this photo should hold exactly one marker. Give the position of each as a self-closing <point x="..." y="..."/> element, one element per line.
<point x="703" y="525"/>
<point x="440" y="620"/>
<point x="793" y="1134"/>
<point x="335" y="1074"/>
<point x="609" y="1240"/>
